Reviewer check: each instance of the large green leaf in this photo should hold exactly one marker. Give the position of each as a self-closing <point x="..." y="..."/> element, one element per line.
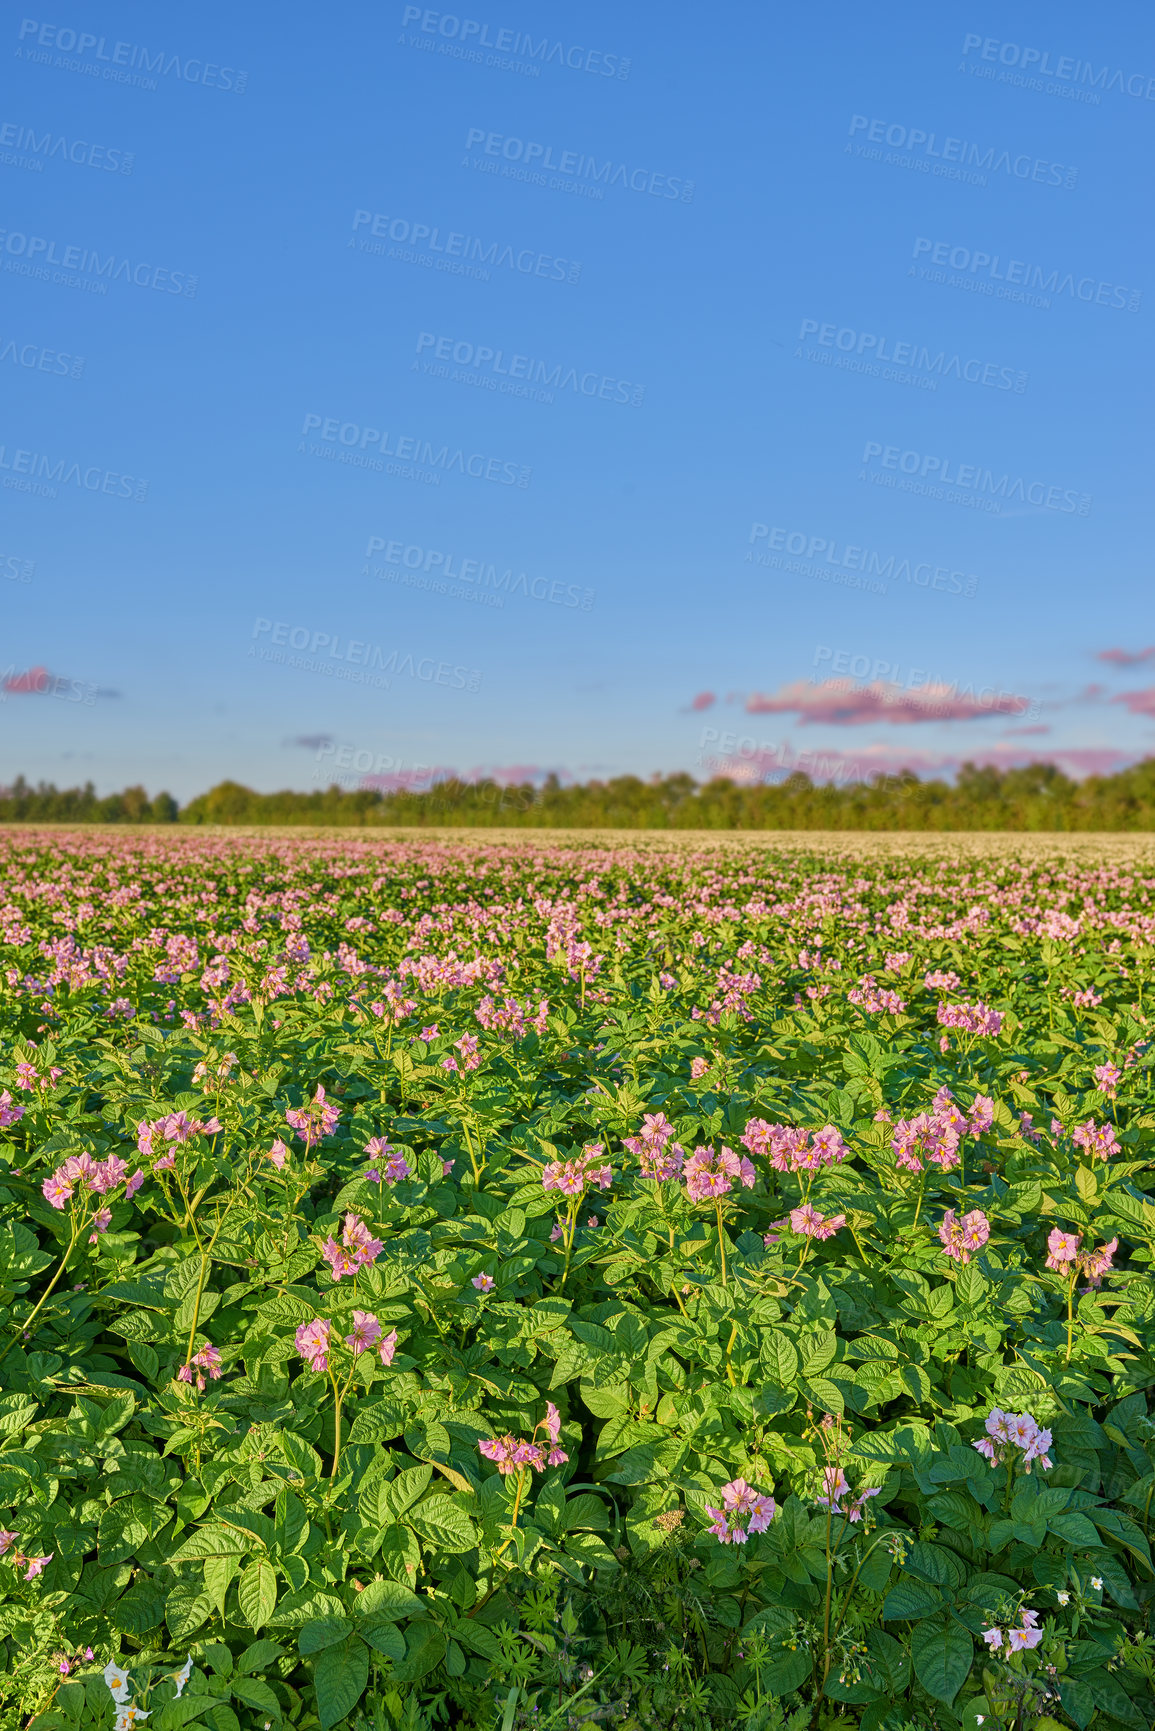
<point x="942" y="1652"/>
<point x="257" y="1592"/>
<point x="339" y="1679"/>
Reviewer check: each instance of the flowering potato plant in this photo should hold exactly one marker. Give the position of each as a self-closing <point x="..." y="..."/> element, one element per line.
<point x="490" y="1287"/>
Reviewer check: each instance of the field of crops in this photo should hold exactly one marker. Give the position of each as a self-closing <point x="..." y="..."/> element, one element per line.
<point x="498" y="1284"/>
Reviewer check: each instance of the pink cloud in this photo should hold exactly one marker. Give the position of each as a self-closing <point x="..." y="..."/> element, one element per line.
<point x="36" y="682"/>
<point x="1022" y="732"/>
<point x="416" y="780"/>
<point x="831" y="765"/>
<point x="1126" y="657"/>
<point x="1141" y="702"/>
<point x="704" y="700"/>
<point x="841" y="703"/>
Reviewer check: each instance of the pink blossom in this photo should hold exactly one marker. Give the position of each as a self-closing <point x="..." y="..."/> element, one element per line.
<point x="835" y="1486"/>
<point x="315" y="1120"/>
<point x="1096" y="1263"/>
<point x="971" y="1018"/>
<point x="1096" y="1139"/>
<point x="36" y="1565"/>
<point x="961" y="1237"/>
<point x="698" y="1068"/>
<point x="484" y="1282"/>
<point x="811" y="1224"/>
<point x="278" y="1154"/>
<point x="1107" y="1075"/>
<point x="56" y="1191"/>
<point x="710" y="1175"/>
<point x="366" y="1332"/>
<point x="744" y="1511"/>
<point x="1062" y="1250"/>
<point x="387" y="1346"/>
<point x="10" y="1112"/>
<point x="574" y="1176"/>
<point x="312" y="1340"/>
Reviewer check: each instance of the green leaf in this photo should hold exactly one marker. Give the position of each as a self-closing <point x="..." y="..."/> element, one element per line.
<point x="971" y="1287"/>
<point x="254" y="1692"/>
<point x="322" y="1632"/>
<point x="440" y="1522"/>
<point x="399" y="1494"/>
<point x="942" y="1652"/>
<point x="339" y="1679"/>
<point x="185" y="1610"/>
<point x="910" y="1598"/>
<point x="257" y="1592"/>
<point x="385" y="1638"/>
<point x="389" y="1599"/>
<point x="779" y="1357"/>
<point x="788" y="1672"/>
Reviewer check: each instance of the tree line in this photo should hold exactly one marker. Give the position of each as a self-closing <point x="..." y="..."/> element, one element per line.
<point x="1038" y="797"/>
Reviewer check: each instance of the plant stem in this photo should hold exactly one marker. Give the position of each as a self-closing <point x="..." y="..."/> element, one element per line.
<point x="721" y="1240"/>
<point x="26" y="1325"/>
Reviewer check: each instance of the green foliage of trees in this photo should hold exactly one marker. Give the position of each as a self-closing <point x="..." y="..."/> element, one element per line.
<point x="1035" y="798"/>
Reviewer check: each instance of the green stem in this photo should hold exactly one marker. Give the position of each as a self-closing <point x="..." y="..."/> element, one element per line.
<point x="1070" y="1311"/>
<point x="721" y="1240"/>
<point x="26" y="1326"/>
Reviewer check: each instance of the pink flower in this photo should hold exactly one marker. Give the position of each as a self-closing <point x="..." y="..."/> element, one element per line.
<point x="1062" y="1250"/>
<point x="56" y="1191"/>
<point x="7" y="1540"/>
<point x="961" y="1237"/>
<point x="711" y="1175"/>
<point x="10" y="1112"/>
<point x="467" y="1046"/>
<point x="835" y="1486"/>
<point x="572" y="1177"/>
<point x="387" y="1347"/>
<point x="483" y="1282"/>
<point x="356" y="1249"/>
<point x="432" y="1032"/>
<point x="972" y="1018"/>
<point x="278" y="1154"/>
<point x="317" y="1119"/>
<point x="366" y="1332"/>
<point x="698" y="1068"/>
<point x="133" y="1185"/>
<point x="744" y="1511"/>
<point x="1096" y="1139"/>
<point x="1096" y="1263"/>
<point x="312" y="1340"/>
<point x="811" y="1224"/>
<point x="37" y="1565"/>
<point x="993" y="1638"/>
<point x="1107" y="1075"/>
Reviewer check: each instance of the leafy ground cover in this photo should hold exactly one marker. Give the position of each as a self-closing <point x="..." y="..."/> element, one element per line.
<point x="469" y="1285"/>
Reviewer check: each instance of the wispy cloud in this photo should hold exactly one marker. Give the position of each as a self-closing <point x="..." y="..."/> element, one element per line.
<point x="841" y="703"/>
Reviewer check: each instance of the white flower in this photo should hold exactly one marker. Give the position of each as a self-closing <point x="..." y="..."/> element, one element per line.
<point x="1063" y="1598"/>
<point x="181" y="1677"/>
<point x="118" y="1680"/>
<point x="126" y="1717"/>
<point x="1097" y="1583"/>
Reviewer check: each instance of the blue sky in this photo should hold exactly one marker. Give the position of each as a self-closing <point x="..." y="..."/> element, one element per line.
<point x="570" y="389"/>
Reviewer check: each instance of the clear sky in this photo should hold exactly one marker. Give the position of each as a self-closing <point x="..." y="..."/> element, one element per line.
<point x="579" y="388"/>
